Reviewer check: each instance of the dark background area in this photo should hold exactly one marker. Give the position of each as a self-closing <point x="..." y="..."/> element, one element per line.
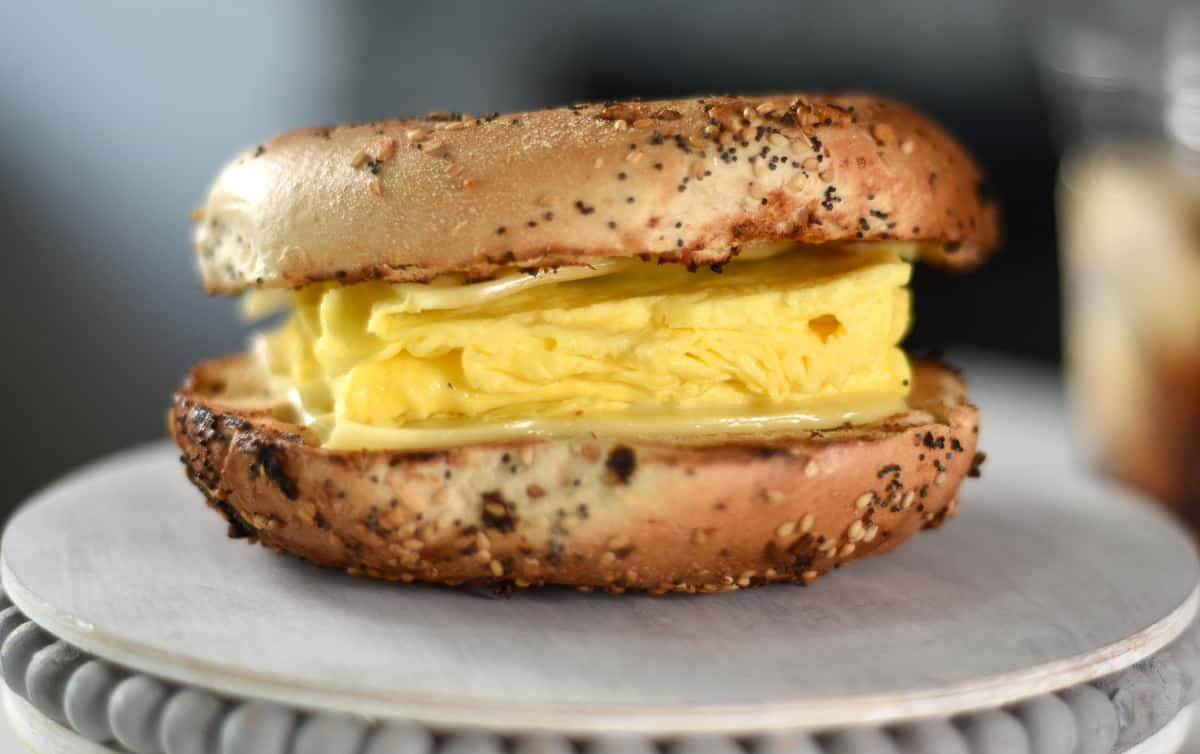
<point x="114" y="117"/>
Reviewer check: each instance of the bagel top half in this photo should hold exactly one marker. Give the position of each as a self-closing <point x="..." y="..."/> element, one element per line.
<point x="687" y="180"/>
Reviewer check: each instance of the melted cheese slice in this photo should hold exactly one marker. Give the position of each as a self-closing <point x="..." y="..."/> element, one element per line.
<point x="801" y="340"/>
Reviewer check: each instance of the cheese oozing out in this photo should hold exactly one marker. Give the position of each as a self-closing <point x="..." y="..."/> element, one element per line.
<point x="801" y="340"/>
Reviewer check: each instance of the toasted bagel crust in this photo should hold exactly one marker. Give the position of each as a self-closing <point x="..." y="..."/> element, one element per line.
<point x="681" y="180"/>
<point x="589" y="513"/>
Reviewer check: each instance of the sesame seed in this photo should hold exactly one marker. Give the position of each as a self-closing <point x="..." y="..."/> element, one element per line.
<point x="907" y="146"/>
<point x="770" y="573"/>
<point x="620" y="124"/>
<point x="385" y="149"/>
<point x="431" y="145"/>
<point x="699" y="537"/>
<point x="496" y="568"/>
<point x="599" y="163"/>
<point x="809" y="575"/>
<point x="864" y="500"/>
<point x="908" y="499"/>
<point x="806" y="523"/>
<point x="472" y="183"/>
<point x="785" y="529"/>
<point x="483" y="556"/>
<point x="940" y="478"/>
<point x="883" y="133"/>
<point x="359" y="157"/>
<point x="375" y="187"/>
<point x="454" y="169"/>
<point x="618" y="542"/>
<point x="414" y="134"/>
<point x="811" y="470"/>
<point x="412" y="544"/>
<point x="634" y="157"/>
<point x="871" y="532"/>
<point x="847" y="550"/>
<point x="608" y="558"/>
<point x="775" y="496"/>
<point x="856" y="531"/>
<point x="643" y="123"/>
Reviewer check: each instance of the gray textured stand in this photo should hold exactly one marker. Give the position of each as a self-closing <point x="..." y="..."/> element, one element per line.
<point x="1049" y="618"/>
<point x="72" y="703"/>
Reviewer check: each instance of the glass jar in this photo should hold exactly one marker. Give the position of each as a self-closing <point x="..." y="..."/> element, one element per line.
<point x="1127" y="105"/>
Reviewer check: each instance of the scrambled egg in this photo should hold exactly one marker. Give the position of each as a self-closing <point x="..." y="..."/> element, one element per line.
<point x="801" y="340"/>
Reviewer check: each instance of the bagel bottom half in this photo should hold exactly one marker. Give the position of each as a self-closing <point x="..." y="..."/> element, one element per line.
<point x="593" y="513"/>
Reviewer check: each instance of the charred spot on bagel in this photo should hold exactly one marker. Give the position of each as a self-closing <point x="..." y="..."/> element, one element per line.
<point x="976" y="464"/>
<point x="268" y="462"/>
<point x="497" y="513"/>
<point x="239" y="527"/>
<point x="621" y="462"/>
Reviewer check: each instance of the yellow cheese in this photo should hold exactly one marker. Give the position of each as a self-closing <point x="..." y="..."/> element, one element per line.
<point x="803" y="340"/>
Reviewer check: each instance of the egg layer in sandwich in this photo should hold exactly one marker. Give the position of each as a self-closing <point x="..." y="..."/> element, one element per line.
<point x="782" y="338"/>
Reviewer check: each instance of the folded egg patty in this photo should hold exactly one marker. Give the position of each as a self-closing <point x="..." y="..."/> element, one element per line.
<point x="804" y="339"/>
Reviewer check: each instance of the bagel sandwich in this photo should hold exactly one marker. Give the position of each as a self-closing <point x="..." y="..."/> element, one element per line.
<point x="649" y="345"/>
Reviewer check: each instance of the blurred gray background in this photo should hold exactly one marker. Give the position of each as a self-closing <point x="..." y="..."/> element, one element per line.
<point x="115" y="115"/>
